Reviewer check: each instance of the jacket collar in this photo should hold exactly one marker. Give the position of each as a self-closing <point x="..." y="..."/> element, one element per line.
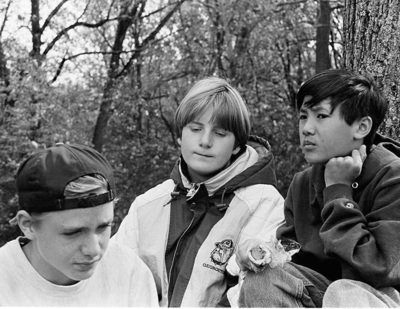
<point x="247" y="159"/>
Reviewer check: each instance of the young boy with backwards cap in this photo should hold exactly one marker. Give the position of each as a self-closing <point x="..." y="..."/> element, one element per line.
<point x="66" y="197"/>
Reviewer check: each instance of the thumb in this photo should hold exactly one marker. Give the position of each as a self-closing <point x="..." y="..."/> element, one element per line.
<point x="363" y="153"/>
<point x="360" y="154"/>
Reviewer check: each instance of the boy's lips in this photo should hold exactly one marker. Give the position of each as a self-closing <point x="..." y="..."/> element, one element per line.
<point x="308" y="144"/>
<point x="87" y="265"/>
<point x="202" y="155"/>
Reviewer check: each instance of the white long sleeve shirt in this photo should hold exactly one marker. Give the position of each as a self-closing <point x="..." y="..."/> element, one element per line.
<point x="120" y="279"/>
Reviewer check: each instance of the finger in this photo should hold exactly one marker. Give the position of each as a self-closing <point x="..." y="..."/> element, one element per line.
<point x="363" y="153"/>
<point x="356" y="155"/>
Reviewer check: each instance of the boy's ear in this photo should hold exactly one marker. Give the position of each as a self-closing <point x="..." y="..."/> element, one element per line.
<point x="25" y="223"/>
<point x="363" y="127"/>
<point x="179" y="141"/>
<point x="236" y="150"/>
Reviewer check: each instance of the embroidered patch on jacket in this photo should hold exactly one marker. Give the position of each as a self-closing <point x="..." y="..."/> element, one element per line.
<point x="220" y="255"/>
<point x="222" y="252"/>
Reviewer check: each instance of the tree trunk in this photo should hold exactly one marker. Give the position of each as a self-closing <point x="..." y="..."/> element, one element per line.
<point x="132" y="11"/>
<point x="105" y="108"/>
<point x="36" y="30"/>
<point x="323" y="61"/>
<point x="372" y="47"/>
<point x="4" y="81"/>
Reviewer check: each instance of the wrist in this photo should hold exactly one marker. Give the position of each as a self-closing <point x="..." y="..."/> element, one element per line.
<point x="331" y="182"/>
<point x="337" y="191"/>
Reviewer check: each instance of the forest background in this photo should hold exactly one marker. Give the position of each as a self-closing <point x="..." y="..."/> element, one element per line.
<point x="110" y="74"/>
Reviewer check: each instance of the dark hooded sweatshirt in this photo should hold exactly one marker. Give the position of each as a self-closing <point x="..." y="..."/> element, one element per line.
<point x="349" y="232"/>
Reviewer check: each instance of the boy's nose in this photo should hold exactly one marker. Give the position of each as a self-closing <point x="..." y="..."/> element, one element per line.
<point x="308" y="128"/>
<point x="91" y="246"/>
<point x="205" y="140"/>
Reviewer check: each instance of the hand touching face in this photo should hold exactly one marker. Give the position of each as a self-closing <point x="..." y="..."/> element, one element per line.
<point x="345" y="170"/>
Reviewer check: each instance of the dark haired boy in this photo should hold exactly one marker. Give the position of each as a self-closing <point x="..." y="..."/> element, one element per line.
<point x="344" y="210"/>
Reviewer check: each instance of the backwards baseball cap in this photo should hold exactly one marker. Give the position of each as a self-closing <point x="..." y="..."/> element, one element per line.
<point x="42" y="178"/>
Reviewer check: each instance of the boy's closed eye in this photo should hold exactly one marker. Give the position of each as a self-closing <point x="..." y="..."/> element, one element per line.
<point x="194" y="127"/>
<point x="221" y="132"/>
<point x="105" y="226"/>
<point x="74" y="232"/>
<point x="71" y="232"/>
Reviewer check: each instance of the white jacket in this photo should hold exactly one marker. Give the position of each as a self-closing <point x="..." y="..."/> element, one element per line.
<point x="255" y="211"/>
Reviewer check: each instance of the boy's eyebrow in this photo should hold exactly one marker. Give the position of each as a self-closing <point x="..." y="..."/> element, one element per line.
<point x="79" y="227"/>
<point x="195" y="122"/>
<point x="314" y="108"/>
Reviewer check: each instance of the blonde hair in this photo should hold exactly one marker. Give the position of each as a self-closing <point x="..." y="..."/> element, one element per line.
<point x="85" y="185"/>
<point x="229" y="109"/>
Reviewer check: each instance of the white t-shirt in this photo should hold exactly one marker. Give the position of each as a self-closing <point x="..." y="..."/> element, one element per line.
<point x="120" y="279"/>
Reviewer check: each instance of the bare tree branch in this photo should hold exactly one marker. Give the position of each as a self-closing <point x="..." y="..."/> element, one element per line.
<point x="51" y="15"/>
<point x="162" y="23"/>
<point x="69" y="58"/>
<point x="77" y="24"/>
<point x="5" y="17"/>
<point x="151" y="37"/>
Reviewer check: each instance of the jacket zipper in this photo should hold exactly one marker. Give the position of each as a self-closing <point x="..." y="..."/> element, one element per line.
<point x="178" y="244"/>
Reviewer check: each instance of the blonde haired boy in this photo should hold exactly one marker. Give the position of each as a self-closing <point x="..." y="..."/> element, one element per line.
<point x="222" y="191"/>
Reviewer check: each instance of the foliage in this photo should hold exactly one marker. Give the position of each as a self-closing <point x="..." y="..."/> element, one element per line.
<point x="264" y="48"/>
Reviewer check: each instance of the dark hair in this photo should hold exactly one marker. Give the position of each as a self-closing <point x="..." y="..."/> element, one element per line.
<point x="354" y="94"/>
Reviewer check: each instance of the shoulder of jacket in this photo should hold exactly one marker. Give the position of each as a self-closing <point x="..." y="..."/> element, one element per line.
<point x="258" y="192"/>
<point x="384" y="156"/>
<point x="159" y="192"/>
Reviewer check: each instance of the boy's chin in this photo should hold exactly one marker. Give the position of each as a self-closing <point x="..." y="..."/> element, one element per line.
<point x="313" y="160"/>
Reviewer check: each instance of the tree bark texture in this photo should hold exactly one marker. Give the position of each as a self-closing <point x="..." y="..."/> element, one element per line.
<point x="323" y="61"/>
<point x="372" y="47"/>
<point x="36" y="31"/>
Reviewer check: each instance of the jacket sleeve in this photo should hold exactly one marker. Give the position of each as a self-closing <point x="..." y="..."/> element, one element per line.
<point x="149" y="207"/>
<point x="365" y="236"/>
<point x="267" y="216"/>
<point x="128" y="231"/>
